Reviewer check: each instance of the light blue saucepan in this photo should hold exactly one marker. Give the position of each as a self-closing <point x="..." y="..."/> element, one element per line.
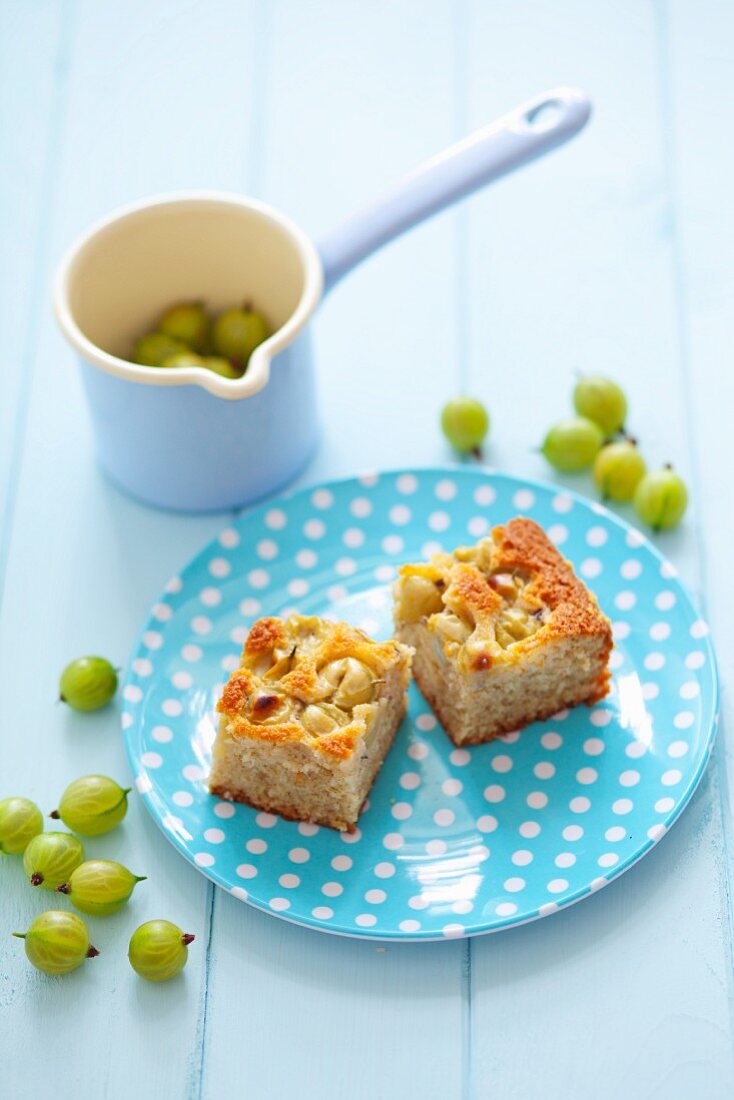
<point x="187" y="438"/>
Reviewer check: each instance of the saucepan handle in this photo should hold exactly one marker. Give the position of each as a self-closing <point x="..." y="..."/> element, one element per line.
<point x="517" y="138"/>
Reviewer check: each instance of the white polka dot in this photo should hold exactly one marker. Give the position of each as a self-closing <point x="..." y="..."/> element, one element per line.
<point x="266" y="821"/>
<point x="684" y="720"/>
<point x="690" y="690"/>
<point x="596" y="536"/>
<point x="256" y="846"/>
<point x="625" y="600"/>
<point x="536" y="800"/>
<point x="502" y="763"/>
<point x="193" y="772"/>
<point x="418" y="751"/>
<point x="275" y="519"/>
<point x="204" y="859"/>
<point x="210" y="597"/>
<point x="665" y="600"/>
<point x="699" y="629"/>
<point x="600" y="717"/>
<point x="345" y="567"/>
<point x="409" y="925"/>
<point x="558" y="534"/>
<point x="616" y="660"/>
<point x="621" y="631"/>
<point x="182" y="798"/>
<point x="360" y="507"/>
<point x="597" y="883"/>
<point x="529" y="829"/>
<point x="142" y="666"/>
<point x="514" y="885"/>
<point x="486" y="823"/>
<point x="258" y="578"/>
<point x="162" y="734"/>
<point x="460" y="757"/>
<point x="171" y="707"/>
<point x="635" y="749"/>
<point x="523" y="499"/>
<point x="654" y="661"/>
<point x="439" y="521"/>
<point x="267" y="549"/>
<point x="250" y="606"/>
<point x="505" y="909"/>
<point x="406" y="484"/>
<point x="279" y="904"/>
<point x="444" y="817"/>
<point x="671" y="777"/>
<point x="342" y="863"/>
<point x="239" y="892"/>
<point x="452" y="786"/>
<point x="365" y="920"/>
<point x="522" y="857"/>
<point x="664" y="805"/>
<point x="617" y="832"/>
<point x="314" y="529"/>
<point x="322" y="499"/>
<point x="587" y="775"/>
<point x="696" y="659"/>
<point x="629" y="778"/>
<point x="353" y="537"/>
<point x="453" y="931"/>
<point x="590" y="567"/>
<point x="393" y="841"/>
<point x="351" y="838"/>
<point x="238" y="635"/>
<point x="224" y="810"/>
<point x="322" y="912"/>
<point x="678" y="748"/>
<point x="152" y="639"/>
<point x="622" y="806"/>
<point x="375" y="897"/>
<point x="655" y="832"/>
<point x="551" y="740"/>
<point x="182" y="680"/>
<point x="299" y="855"/>
<point x="132" y="693"/>
<point x="126" y="720"/>
<point x="192" y="653"/>
<point x="547" y="909"/>
<point x="337" y="593"/>
<point x="463" y="905"/>
<point x="385" y="870"/>
<point x="631" y="569"/>
<point x="401" y="811"/>
<point x="400" y="514"/>
<point x="332" y="889"/>
<point x="494" y="793"/>
<point x="298" y="586"/>
<point x="579" y="805"/>
<point x="392" y="544"/>
<point x="565" y="859"/>
<point x="409" y="781"/>
<point x="477" y="526"/>
<point x="544" y="770"/>
<point x="230" y="663"/>
<point x="151" y="759"/>
<point x="213" y="836"/>
<point x="246" y="870"/>
<point x="162" y="612"/>
<point x="428" y="549"/>
<point x="572" y="832"/>
<point x="557" y="886"/>
<point x="650" y="691"/>
<point x="608" y="859"/>
<point x="660" y="631"/>
<point x="418" y="901"/>
<point x="484" y="495"/>
<point x="289" y="881"/>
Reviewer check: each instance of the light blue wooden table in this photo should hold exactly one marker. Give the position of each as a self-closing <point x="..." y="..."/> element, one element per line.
<point x="615" y="255"/>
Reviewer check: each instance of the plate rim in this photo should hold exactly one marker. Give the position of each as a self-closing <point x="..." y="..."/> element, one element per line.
<point x="467" y="932"/>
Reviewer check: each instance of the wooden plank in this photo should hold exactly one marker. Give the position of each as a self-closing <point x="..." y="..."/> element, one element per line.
<point x="572" y="266"/>
<point x="152" y="93"/>
<point x="350" y="107"/>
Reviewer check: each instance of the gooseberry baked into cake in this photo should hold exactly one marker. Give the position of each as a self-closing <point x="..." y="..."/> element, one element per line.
<point x="308" y="718"/>
<point x="504" y="633"/>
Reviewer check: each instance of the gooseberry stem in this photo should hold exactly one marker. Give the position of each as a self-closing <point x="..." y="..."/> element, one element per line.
<point x="55" y="815"/>
<point x="187" y="938"/>
<point x="476" y="453"/>
<point x="64" y="888"/>
<point x="92" y="953"/>
<point x="36" y="878"/>
<point x="18" y="935"/>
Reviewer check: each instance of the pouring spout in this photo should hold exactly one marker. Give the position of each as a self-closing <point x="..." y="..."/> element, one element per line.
<point x="516" y="139"/>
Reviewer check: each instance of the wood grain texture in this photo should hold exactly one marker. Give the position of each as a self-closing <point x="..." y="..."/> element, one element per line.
<point x="615" y="254"/>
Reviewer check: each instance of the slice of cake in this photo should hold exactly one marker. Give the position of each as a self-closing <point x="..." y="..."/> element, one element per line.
<point x="504" y="633"/>
<point x="308" y="718"/>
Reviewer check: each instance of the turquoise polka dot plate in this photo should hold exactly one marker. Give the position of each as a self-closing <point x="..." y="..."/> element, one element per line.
<point x="453" y="842"/>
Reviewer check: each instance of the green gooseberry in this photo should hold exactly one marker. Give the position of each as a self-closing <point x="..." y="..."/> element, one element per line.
<point x="465" y="423"/>
<point x="100" y="886"/>
<point x="158" y="950"/>
<point x="88" y="683"/>
<point x="572" y="444"/>
<point x="155" y="347"/>
<point x="51" y="858"/>
<point x="601" y="400"/>
<point x="661" y="499"/>
<point x="20" y="821"/>
<point x="618" y="468"/>
<point x="92" y="805"/>
<point x="184" y="359"/>
<point x="223" y="366"/>
<point x="237" y="332"/>
<point x="186" y="322"/>
<point x="57" y="942"/>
